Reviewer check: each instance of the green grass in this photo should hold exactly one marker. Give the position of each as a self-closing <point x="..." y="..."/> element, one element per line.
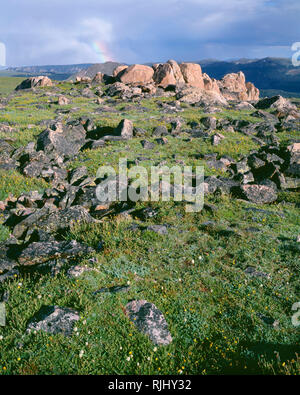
<point x="194" y="275"/>
<point x="13" y="183"/>
<point x="8" y="84"/>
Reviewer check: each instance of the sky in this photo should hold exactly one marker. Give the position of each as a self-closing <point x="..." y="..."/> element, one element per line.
<point x="43" y="32"/>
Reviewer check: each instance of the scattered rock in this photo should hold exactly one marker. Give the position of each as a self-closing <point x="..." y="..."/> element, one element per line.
<point x="41" y="252"/>
<point x="150" y="321"/>
<point x="63" y="101"/>
<point x="259" y="194"/>
<point x="113" y="290"/>
<point x="64" y="140"/>
<point x="147" y="144"/>
<point x="77" y="271"/>
<point x="217" y="138"/>
<point x="54" y="320"/>
<point x="125" y="129"/>
<point x="34" y="82"/>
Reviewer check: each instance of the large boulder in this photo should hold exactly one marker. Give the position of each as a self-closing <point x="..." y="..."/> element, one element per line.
<point x="252" y="92"/>
<point x="233" y="87"/>
<point x="168" y="74"/>
<point x="33" y="82"/>
<point x="63" y="140"/>
<point x="136" y="74"/>
<point x="176" y="71"/>
<point x="192" y="74"/>
<point x="119" y="69"/>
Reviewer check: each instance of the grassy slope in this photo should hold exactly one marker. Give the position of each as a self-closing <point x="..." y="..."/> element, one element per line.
<point x="194" y="275"/>
<point x="8" y="84"/>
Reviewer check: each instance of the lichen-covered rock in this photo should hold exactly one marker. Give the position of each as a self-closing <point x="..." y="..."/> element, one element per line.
<point x="259" y="194"/>
<point x="118" y="89"/>
<point x="38" y="253"/>
<point x="48" y="220"/>
<point x="149" y="320"/>
<point x="54" y="320"/>
<point x="64" y="140"/>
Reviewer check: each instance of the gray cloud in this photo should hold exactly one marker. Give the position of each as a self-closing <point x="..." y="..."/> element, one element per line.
<point x="83" y="31"/>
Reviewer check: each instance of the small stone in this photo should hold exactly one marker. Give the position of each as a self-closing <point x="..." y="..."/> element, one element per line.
<point x="252" y="272"/>
<point x="162" y="141"/>
<point x="124" y="129"/>
<point x="147" y="144"/>
<point x="77" y="271"/>
<point x="114" y="290"/>
<point x="160" y="229"/>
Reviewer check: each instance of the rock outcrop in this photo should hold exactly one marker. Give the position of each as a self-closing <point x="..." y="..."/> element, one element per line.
<point x="168" y="74"/>
<point x="233" y="87"/>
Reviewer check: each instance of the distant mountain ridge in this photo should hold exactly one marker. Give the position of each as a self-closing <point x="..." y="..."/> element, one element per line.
<point x="56" y="72"/>
<point x="104" y="68"/>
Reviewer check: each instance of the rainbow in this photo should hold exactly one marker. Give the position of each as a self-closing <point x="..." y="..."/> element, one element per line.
<point x="102" y="51"/>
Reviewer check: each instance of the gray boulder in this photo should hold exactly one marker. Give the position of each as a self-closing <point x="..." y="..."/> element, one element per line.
<point x="259" y="194"/>
<point x="62" y="140"/>
<point x="42" y="252"/>
<point x="54" y="320"/>
<point x="150" y="321"/>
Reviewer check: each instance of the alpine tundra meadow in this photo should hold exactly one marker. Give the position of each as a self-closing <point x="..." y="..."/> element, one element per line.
<point x="149" y="208"/>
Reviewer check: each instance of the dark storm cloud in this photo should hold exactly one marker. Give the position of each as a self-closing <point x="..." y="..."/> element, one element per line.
<point x="65" y="31"/>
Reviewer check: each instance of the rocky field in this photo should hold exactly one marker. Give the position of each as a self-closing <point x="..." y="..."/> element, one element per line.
<point x="148" y="288"/>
